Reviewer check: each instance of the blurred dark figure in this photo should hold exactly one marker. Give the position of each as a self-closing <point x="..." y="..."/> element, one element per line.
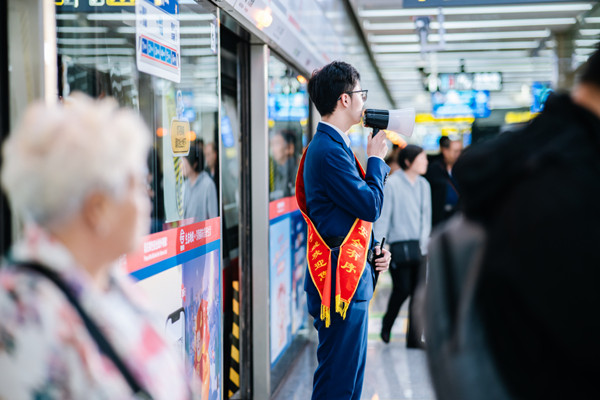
<point x="210" y="156"/>
<point x="283" y="149"/>
<point x="392" y="159"/>
<point x="443" y="142"/>
<point x="512" y="296"/>
<point x="444" y="189"/>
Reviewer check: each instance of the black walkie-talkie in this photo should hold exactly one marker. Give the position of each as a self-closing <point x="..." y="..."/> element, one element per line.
<point x="376" y="256"/>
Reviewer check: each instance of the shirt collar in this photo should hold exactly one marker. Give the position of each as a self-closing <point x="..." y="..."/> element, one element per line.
<point x="338" y="130"/>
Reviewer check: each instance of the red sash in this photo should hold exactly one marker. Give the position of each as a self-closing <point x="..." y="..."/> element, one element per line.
<point x="352" y="258"/>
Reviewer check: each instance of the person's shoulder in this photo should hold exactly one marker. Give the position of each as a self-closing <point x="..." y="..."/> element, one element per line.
<point x="395" y="178"/>
<point x="422" y="181"/>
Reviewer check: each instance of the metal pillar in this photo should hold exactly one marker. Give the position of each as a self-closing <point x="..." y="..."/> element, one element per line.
<point x="565" y="43"/>
<point x="259" y="136"/>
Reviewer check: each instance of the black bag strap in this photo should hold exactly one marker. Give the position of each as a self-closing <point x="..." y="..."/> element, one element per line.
<point x="103" y="344"/>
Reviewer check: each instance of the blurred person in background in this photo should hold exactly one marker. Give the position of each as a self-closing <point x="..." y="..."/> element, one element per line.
<point x="72" y="324"/>
<point x="283" y="163"/>
<point x="392" y="159"/>
<point x="210" y="156"/>
<point x="524" y="323"/>
<point x="199" y="191"/>
<point x="444" y="189"/>
<point x="406" y="223"/>
<point x="443" y="143"/>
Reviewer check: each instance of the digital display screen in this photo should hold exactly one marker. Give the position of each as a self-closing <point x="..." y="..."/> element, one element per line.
<point x="288" y="107"/>
<point x="461" y="102"/>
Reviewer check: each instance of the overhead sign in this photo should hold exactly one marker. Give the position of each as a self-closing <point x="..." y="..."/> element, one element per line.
<point x="157" y="39"/>
<point x="444" y="82"/>
<point x="86" y="6"/>
<point x="458" y="3"/>
<point x="461" y="102"/>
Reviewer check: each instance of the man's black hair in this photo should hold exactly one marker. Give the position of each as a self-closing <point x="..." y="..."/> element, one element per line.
<point x="327" y="84"/>
<point x="288" y="135"/>
<point x="409" y="153"/>
<point x="591" y="69"/>
<point x="196" y="158"/>
<point x="445" y="142"/>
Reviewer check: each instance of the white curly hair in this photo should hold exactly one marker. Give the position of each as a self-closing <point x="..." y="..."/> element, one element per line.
<point x="61" y="153"/>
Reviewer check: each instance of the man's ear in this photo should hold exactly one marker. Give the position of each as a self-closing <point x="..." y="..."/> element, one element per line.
<point x="95" y="213"/>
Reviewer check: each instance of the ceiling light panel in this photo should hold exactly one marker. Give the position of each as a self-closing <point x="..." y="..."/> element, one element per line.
<point x="410" y="48"/>
<point x="460" y="37"/>
<point x="512" y="9"/>
<point x="498" y="23"/>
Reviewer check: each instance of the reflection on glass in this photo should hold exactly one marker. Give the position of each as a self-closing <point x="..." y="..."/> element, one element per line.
<point x="199" y="190"/>
<point x="288" y="127"/>
<point x="97" y="55"/>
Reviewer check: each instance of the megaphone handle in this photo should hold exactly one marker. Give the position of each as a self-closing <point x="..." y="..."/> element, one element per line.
<point x="375" y="131"/>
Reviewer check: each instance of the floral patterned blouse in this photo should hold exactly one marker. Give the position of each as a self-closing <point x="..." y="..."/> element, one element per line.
<point x="46" y="352"/>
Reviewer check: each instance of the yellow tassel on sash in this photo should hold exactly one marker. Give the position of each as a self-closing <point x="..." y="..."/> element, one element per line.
<point x="341" y="306"/>
<point x="325" y="315"/>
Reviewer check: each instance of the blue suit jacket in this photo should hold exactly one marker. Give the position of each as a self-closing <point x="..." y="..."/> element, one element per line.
<point x="336" y="194"/>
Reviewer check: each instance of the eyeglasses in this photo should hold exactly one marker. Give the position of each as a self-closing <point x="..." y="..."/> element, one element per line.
<point x="362" y="92"/>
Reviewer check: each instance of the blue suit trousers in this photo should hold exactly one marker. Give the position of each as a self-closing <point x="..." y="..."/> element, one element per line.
<point x="342" y="352"/>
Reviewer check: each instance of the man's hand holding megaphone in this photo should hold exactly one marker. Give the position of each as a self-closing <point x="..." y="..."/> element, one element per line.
<point x="377" y="146"/>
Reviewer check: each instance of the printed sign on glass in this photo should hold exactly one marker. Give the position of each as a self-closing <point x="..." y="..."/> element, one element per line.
<point x="157" y="39"/>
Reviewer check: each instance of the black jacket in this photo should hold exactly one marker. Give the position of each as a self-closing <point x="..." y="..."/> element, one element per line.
<point x="537" y="193"/>
<point x="441" y="182"/>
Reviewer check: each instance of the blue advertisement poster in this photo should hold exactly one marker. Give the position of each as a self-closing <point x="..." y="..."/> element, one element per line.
<point x="299" y="307"/>
<point x="201" y="302"/>
<point x="280" y="285"/>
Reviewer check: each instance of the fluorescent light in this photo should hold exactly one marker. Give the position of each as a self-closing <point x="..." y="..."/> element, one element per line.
<point x="116" y="16"/>
<point x="82" y="29"/>
<point x="409" y="62"/>
<point x="459" y="37"/>
<point x="586" y="43"/>
<point x="194" y="30"/>
<point x="589" y="32"/>
<point x="126" y="30"/>
<point x="489" y="54"/>
<point x="593" y="20"/>
<point x="66" y="16"/>
<point x="98" y="61"/>
<point x="584" y="52"/>
<point x="415" y="48"/>
<point x="92" y="42"/>
<point x="497" y="23"/>
<point x="132" y="17"/>
<point x="195" y="42"/>
<point x="97" y="51"/>
<point x="196" y="52"/>
<point x="474" y="10"/>
<point x="196" y="17"/>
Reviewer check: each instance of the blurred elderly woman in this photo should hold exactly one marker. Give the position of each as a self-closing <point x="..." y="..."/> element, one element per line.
<point x="69" y="324"/>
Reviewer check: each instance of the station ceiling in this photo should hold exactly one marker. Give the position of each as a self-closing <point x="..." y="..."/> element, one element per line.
<point x="518" y="40"/>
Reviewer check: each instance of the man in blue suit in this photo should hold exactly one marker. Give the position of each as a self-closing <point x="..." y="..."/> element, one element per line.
<point x="340" y="201"/>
